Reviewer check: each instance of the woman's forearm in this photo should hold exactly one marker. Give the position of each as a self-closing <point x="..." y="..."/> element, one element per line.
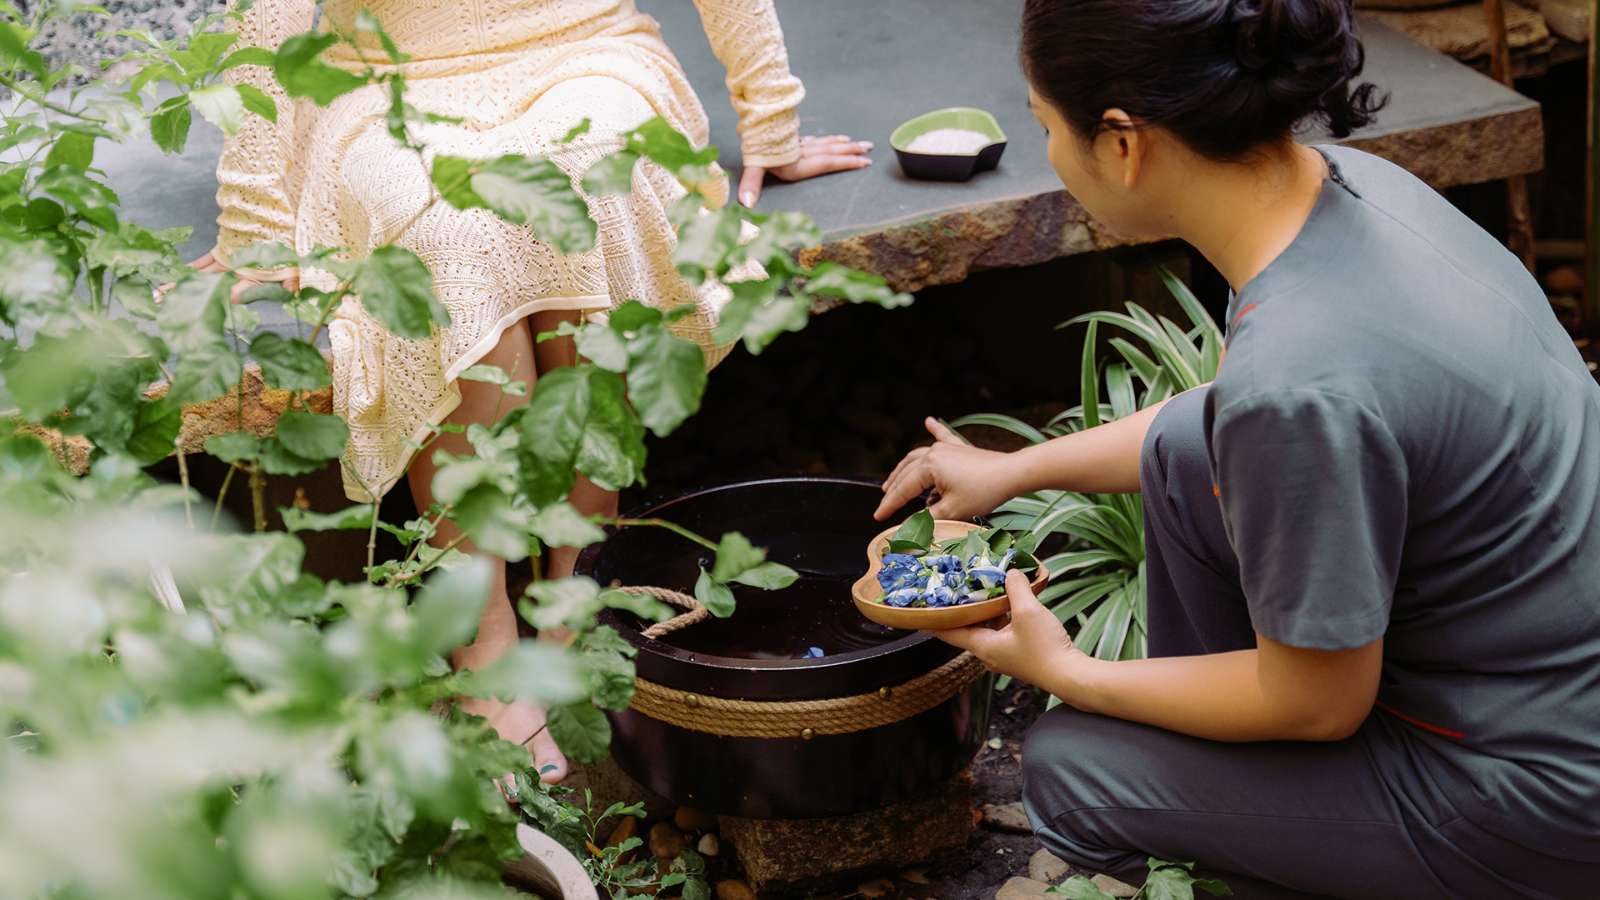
<point x="1216" y="696"/>
<point x="1103" y="460"/>
<point x="1247" y="695"/>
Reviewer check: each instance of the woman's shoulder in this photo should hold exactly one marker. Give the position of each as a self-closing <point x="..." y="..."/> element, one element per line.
<point x="1398" y="220"/>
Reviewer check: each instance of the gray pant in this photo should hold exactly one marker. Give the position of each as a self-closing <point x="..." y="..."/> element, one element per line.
<point x="1279" y="819"/>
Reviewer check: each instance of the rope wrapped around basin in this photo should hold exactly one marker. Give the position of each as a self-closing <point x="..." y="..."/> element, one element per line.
<point x="802" y="719"/>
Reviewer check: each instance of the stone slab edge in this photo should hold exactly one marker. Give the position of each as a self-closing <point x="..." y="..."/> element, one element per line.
<point x="257" y="413"/>
<point x="947" y="247"/>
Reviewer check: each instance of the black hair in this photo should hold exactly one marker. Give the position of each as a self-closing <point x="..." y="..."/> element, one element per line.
<point x="1224" y="76"/>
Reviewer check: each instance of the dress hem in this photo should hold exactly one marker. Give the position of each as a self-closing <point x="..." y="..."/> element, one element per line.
<point x="467" y="360"/>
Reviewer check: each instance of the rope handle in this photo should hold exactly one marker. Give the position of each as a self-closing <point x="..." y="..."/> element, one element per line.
<point x="694" y="614"/>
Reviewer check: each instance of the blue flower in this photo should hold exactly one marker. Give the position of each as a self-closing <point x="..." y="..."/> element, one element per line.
<point x="945" y="562"/>
<point x="815" y="652"/>
<point x="986" y="576"/>
<point x="941" y="596"/>
<point x="902" y="597"/>
<point x="900" y="570"/>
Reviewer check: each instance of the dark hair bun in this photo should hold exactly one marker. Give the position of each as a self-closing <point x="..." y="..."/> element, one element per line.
<point x="1225" y="76"/>
<point x="1306" y="53"/>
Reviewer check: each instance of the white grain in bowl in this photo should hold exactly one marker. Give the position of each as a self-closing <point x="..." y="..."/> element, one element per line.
<point x="950" y="142"/>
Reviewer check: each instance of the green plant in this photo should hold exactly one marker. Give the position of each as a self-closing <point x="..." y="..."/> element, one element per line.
<point x="611" y="867"/>
<point x="1166" y="881"/>
<point x="190" y="714"/>
<point x="1097" y="577"/>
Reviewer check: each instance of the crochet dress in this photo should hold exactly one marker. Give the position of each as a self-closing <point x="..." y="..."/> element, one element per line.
<point x="519" y="74"/>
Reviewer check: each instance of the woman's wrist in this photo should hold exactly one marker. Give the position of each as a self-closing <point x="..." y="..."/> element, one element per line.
<point x="1026" y="471"/>
<point x="1073" y="678"/>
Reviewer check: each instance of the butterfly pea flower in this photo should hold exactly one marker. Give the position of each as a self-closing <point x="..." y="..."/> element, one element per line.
<point x="900" y="570"/>
<point x="985" y="577"/>
<point x="903" y="597"/>
<point x="942" y="596"/>
<point x="944" y="562"/>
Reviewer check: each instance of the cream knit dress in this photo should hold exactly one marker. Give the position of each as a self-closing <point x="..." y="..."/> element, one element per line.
<point x="520" y="74"/>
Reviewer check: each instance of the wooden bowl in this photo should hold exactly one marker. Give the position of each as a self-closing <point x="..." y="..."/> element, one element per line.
<point x="866" y="590"/>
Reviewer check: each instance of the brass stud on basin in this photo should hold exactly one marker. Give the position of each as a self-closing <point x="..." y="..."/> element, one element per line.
<point x="885" y="693"/>
<point x="807" y="734"/>
<point x="691" y="700"/>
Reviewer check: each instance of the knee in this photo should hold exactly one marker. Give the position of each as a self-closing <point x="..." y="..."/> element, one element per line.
<point x="1070" y="765"/>
<point x="1175" y="455"/>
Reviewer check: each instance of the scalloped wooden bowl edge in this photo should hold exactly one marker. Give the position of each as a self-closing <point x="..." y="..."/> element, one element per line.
<point x="866" y="589"/>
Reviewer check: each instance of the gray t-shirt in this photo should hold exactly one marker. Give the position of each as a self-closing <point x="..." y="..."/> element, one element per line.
<point x="1407" y="445"/>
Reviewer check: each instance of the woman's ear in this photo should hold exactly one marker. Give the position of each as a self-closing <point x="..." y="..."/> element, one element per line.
<point x="1127" y="145"/>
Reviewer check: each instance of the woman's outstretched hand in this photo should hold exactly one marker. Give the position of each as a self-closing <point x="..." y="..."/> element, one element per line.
<point x="289" y="278"/>
<point x="969" y="481"/>
<point x="1032" y="647"/>
<point x="818" y="156"/>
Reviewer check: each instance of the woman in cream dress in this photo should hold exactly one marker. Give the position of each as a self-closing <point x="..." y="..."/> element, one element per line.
<point x="519" y="75"/>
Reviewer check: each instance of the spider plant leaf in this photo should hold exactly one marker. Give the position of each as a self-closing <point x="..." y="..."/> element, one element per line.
<point x="1133" y="646"/>
<point x="1078" y="560"/>
<point x="1119" y="386"/>
<point x="1006" y="423"/>
<point x="1145" y="367"/>
<point x="1118" y="623"/>
<point x="1171" y="355"/>
<point x="1150" y="333"/>
<point x="1186" y="299"/>
<point x="1210" y="354"/>
<point x="1084" y="597"/>
<point x="1090" y="384"/>
<point x="1088" y="636"/>
<point x="1182" y="343"/>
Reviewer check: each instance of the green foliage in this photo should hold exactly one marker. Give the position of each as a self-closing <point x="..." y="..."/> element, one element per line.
<point x="553" y="810"/>
<point x="286" y="728"/>
<point x="278" y="709"/>
<point x="712" y="244"/>
<point x="523" y="190"/>
<point x="397" y="288"/>
<point x="1166" y="881"/>
<point x="1097" y="579"/>
<point x="916" y="533"/>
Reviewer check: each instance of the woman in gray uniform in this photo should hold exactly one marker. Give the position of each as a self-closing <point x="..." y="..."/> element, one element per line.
<point x="1373" y="543"/>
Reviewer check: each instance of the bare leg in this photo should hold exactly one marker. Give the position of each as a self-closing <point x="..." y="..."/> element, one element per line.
<point x="484" y="404"/>
<point x="586" y="496"/>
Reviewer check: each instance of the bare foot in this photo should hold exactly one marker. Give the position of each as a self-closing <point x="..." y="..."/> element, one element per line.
<point x="523" y="723"/>
<point x="518" y="722"/>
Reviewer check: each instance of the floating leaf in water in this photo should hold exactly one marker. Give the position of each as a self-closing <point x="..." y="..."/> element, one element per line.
<point x="714" y="595"/>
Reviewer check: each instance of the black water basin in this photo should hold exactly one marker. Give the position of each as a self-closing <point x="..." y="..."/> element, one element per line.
<point x="820" y="527"/>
